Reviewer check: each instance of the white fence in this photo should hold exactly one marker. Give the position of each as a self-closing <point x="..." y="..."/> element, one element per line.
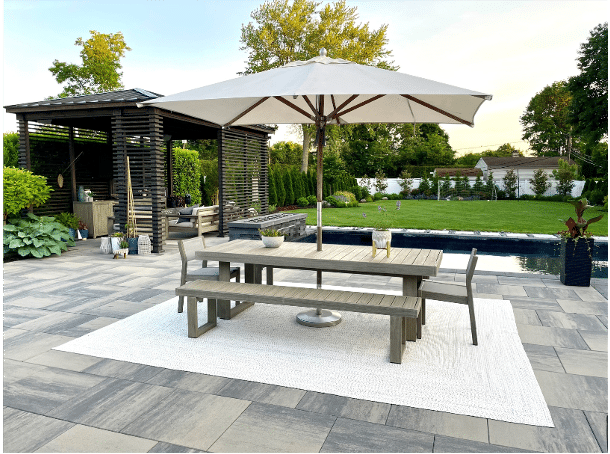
<point x="524" y="186"/>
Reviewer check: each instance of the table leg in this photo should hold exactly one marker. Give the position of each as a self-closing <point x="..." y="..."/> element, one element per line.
<point x="249" y="269"/>
<point x="269" y="275"/>
<point x="224" y="306"/>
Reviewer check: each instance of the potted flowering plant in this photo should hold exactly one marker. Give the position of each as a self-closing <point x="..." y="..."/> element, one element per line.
<point x="576" y="244"/>
<point x="83" y="230"/>
<point x="271" y="237"/>
<point x="382" y="236"/>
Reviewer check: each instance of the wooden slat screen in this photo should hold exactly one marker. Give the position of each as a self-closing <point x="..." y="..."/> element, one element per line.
<point x="141" y="138"/>
<point x="243" y="175"/>
<point x="50" y="157"/>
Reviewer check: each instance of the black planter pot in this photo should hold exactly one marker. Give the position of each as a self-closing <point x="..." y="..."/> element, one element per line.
<point x="576" y="261"/>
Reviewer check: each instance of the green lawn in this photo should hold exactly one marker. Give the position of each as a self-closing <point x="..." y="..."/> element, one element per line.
<point x="518" y="216"/>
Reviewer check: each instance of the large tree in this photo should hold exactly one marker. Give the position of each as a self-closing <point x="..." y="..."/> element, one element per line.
<point x="285" y="31"/>
<point x="588" y="111"/>
<point x="100" y="69"/>
<point x="545" y="121"/>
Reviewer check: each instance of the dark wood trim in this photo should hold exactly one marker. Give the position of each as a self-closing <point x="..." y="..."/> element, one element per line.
<point x="170" y="168"/>
<point x="72" y="162"/>
<point x="436" y="109"/>
<point x="357" y="106"/>
<point x="295" y="107"/>
<point x="248" y="110"/>
<point x="334" y="113"/>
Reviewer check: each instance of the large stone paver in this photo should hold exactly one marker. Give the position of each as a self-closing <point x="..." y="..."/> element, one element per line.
<point x="89" y="439"/>
<point x="189" y="419"/>
<point x="26" y="432"/>
<point x="271" y="428"/>
<point x="572" y="433"/>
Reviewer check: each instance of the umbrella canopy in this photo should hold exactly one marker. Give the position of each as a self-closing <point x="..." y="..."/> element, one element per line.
<point x="325" y="91"/>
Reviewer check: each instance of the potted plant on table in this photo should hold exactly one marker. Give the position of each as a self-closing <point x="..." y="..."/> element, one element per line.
<point x="576" y="243"/>
<point x="382" y="236"/>
<point x="271" y="237"/>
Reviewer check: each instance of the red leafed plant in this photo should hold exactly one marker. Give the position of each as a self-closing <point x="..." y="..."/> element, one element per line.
<point x="578" y="228"/>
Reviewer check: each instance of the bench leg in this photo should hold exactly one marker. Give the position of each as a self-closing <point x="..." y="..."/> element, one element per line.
<point x="396" y="334"/>
<point x="411" y="331"/>
<point x="194" y="330"/>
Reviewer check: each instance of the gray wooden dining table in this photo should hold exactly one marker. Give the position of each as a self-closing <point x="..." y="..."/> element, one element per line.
<point x="409" y="264"/>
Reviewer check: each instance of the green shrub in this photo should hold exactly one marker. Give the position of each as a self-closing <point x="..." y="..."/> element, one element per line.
<point x="596" y="197"/>
<point x="11" y="149"/>
<point x="272" y="190"/>
<point x="68" y="220"/>
<point x="312" y="200"/>
<point x="357" y="191"/>
<point x="187" y="174"/>
<point x="302" y="202"/>
<point x="368" y="198"/>
<point x="565" y="176"/>
<point x="208" y="181"/>
<point x="279" y="187"/>
<point x="22" y="188"/>
<point x="350" y="196"/>
<point x="36" y="236"/>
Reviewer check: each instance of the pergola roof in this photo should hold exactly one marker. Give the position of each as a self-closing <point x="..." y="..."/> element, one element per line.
<point x="134" y="95"/>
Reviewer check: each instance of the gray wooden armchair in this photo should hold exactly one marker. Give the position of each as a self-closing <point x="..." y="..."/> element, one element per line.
<point x="454" y="292"/>
<point x="187" y="250"/>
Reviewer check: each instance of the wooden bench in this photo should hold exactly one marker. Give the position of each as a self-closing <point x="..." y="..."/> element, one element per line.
<point x="404" y="311"/>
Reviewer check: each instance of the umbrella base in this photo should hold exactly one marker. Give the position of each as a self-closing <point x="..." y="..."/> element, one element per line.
<point x="319" y="318"/>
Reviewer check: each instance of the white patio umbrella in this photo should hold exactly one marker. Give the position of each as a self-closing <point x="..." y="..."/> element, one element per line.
<point x="325" y="91"/>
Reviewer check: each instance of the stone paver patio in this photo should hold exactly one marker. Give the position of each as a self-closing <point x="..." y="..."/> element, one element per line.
<point x="63" y="402"/>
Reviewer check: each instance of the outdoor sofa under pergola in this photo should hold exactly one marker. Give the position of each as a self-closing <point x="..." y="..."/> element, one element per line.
<point x="87" y="139"/>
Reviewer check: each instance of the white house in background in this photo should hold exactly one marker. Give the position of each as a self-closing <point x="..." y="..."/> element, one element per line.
<point x="525" y="166"/>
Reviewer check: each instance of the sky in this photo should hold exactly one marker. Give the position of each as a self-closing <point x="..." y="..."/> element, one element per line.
<point x="510" y="49"/>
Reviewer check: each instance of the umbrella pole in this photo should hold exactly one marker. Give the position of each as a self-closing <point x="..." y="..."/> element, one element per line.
<point x="319" y="186"/>
<point x="319" y="318"/>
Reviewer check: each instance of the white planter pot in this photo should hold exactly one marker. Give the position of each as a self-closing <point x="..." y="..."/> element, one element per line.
<point x="116" y="244"/>
<point x="272" y="241"/>
<point x="382" y="238"/>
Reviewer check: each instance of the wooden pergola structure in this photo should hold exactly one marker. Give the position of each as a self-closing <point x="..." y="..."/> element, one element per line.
<point x="87" y="139"/>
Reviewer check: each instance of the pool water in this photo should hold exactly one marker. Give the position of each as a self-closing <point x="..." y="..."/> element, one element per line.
<point x="518" y="255"/>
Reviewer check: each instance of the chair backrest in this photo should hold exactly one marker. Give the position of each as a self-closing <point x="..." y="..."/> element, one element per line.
<point x="472" y="263"/>
<point x="188" y="248"/>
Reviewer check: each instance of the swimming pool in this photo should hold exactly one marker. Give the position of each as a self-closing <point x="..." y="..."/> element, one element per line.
<point x="503" y="252"/>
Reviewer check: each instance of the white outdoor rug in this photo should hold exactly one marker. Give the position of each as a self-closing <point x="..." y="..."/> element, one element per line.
<point x="442" y="371"/>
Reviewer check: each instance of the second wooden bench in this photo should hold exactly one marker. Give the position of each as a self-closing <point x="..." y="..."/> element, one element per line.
<point x="404" y="311"/>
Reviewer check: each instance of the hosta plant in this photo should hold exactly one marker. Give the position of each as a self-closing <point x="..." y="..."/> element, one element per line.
<point x="35" y="236"/>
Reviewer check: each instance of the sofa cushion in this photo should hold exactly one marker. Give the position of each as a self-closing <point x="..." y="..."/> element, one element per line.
<point x="188" y="211"/>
